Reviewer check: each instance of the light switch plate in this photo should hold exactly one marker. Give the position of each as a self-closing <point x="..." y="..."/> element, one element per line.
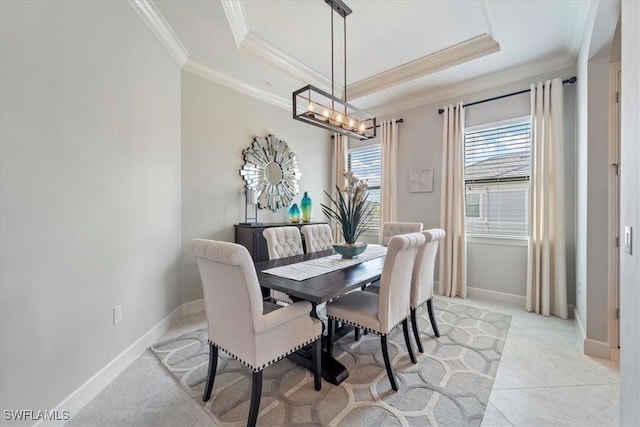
<point x="628" y="239"/>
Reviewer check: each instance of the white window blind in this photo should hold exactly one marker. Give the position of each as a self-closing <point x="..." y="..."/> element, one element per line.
<point x="365" y="163"/>
<point x="497" y="166"/>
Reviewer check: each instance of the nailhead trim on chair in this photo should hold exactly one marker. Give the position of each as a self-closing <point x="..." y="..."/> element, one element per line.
<point x="271" y="362"/>
<point x="363" y="327"/>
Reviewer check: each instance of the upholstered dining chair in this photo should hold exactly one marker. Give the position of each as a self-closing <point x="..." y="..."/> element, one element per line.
<point x="282" y="242"/>
<point x="380" y="313"/>
<point x="317" y="237"/>
<point x="390" y="229"/>
<point x="238" y="322"/>
<point x="422" y="281"/>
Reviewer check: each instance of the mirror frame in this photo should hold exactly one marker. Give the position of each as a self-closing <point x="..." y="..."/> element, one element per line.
<point x="257" y="157"/>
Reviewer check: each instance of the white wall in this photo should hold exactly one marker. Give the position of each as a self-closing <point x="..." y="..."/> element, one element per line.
<point x="592" y="176"/>
<point x="581" y="155"/>
<point x="90" y="185"/>
<point x="421" y="147"/>
<point x="630" y="215"/>
<point x="217" y="124"/>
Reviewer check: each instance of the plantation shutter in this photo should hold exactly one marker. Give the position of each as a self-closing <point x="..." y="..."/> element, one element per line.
<point x="365" y="163"/>
<point x="497" y="161"/>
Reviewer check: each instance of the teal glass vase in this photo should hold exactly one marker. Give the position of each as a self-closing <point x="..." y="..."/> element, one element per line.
<point x="294" y="213"/>
<point x="306" y="205"/>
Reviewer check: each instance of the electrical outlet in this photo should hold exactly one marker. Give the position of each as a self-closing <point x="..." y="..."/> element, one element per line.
<point x="579" y="289"/>
<point x="628" y="239"/>
<point x="117" y="314"/>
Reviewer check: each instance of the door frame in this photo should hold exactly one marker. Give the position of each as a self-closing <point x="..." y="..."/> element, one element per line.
<point x="613" y="244"/>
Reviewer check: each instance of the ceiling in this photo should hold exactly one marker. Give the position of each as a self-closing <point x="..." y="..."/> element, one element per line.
<point x="400" y="53"/>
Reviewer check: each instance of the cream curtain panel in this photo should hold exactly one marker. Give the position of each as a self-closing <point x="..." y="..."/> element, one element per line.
<point x="453" y="248"/>
<point x="546" y="270"/>
<point x="389" y="181"/>
<point x="340" y="146"/>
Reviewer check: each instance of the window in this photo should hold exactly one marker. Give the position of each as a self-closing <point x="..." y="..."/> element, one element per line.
<point x="497" y="167"/>
<point x="365" y="163"/>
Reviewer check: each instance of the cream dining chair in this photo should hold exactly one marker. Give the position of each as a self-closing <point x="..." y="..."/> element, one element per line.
<point x="240" y="324"/>
<point x="282" y="242"/>
<point x="422" y="281"/>
<point x="390" y="229"/>
<point x="382" y="312"/>
<point x="317" y="237"/>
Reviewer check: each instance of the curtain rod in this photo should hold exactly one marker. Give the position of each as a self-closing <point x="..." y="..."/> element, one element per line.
<point x="397" y="121"/>
<point x="570" y="80"/>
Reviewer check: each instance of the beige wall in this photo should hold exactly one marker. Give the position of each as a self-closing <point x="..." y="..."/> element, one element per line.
<point x="90" y="185"/>
<point x="630" y="215"/>
<point x="421" y="147"/>
<point x="217" y="124"/>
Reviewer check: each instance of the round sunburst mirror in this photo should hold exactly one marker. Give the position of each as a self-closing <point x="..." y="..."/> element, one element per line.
<point x="271" y="168"/>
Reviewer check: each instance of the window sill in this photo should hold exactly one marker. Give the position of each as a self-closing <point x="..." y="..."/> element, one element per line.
<point x="498" y="241"/>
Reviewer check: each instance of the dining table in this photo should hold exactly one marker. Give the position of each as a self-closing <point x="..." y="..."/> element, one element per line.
<point x="319" y="277"/>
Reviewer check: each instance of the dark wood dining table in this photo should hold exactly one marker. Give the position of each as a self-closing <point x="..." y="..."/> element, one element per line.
<point x="318" y="290"/>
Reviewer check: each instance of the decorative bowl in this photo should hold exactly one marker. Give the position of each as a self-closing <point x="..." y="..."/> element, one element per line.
<point x="350" y="251"/>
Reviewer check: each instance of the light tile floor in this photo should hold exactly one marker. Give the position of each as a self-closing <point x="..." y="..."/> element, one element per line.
<point x="543" y="380"/>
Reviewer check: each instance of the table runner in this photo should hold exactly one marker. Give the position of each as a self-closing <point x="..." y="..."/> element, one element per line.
<point x="319" y="266"/>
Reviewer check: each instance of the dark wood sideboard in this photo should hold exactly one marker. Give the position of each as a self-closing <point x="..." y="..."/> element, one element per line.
<point x="250" y="236"/>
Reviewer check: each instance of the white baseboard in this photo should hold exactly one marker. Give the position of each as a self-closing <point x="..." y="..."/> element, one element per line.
<point x="94" y="385"/>
<point x="576" y="314"/>
<point x="597" y="349"/>
<point x="502" y="297"/>
<point x="615" y="355"/>
<point x="193" y="307"/>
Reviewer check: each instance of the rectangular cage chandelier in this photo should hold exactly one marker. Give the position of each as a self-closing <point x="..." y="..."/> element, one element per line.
<point x="319" y="108"/>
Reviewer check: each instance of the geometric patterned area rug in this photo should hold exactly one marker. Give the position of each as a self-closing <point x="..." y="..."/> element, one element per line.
<point x="449" y="386"/>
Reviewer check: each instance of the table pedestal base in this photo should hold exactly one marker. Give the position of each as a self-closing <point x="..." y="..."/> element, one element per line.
<point x="332" y="370"/>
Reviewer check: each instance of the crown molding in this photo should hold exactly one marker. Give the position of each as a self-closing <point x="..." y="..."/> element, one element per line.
<point x="235" y="84"/>
<point x="458" y="89"/>
<point x="234" y="12"/>
<point x="579" y="25"/>
<point x="445" y="58"/>
<point x="252" y="44"/>
<point x="161" y="30"/>
<point x="259" y="48"/>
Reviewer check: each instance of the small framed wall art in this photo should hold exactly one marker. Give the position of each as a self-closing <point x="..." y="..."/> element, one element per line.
<point x="420" y="180"/>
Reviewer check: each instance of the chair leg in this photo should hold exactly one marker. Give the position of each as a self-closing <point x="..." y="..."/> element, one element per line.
<point x="357" y="333"/>
<point x="316" y="349"/>
<point x="256" y="392"/>
<point x="407" y="341"/>
<point x="213" y="365"/>
<point x="330" y="329"/>
<point x="416" y="335"/>
<point x="387" y="363"/>
<point x="432" y="317"/>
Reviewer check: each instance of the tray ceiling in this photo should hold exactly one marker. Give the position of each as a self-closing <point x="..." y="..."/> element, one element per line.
<point x="398" y="52"/>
